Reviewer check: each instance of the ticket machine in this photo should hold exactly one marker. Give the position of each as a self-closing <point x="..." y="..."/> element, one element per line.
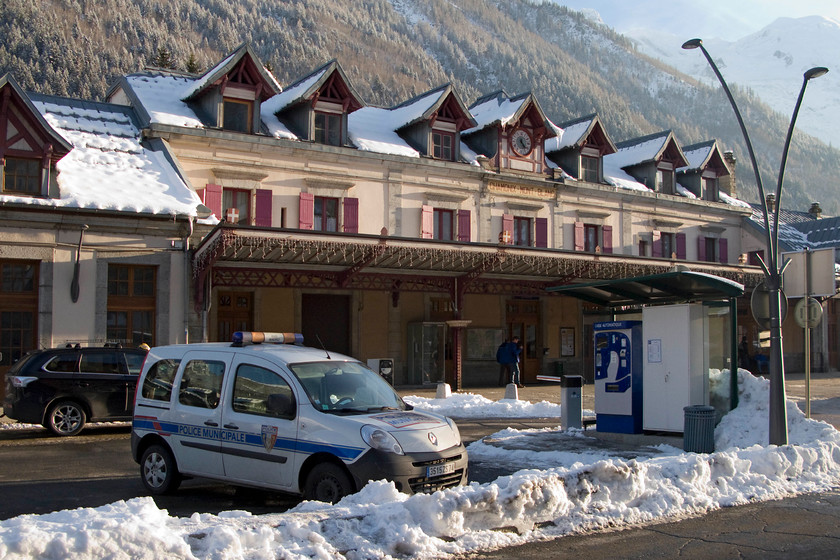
<point x="618" y="376"/>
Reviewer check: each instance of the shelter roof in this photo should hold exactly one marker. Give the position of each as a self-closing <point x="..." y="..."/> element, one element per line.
<point x="677" y="286"/>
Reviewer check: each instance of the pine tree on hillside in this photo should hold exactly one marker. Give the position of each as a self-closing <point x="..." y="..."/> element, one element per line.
<point x="192" y="65"/>
<point x="163" y="59"/>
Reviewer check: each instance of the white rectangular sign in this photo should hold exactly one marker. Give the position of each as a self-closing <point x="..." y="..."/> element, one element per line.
<point x="821" y="273"/>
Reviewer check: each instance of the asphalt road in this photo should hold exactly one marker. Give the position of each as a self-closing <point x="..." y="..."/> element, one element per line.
<point x="41" y="473"/>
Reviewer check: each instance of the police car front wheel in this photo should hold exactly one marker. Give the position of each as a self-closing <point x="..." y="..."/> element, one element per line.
<point x="327" y="482"/>
<point x="158" y="470"/>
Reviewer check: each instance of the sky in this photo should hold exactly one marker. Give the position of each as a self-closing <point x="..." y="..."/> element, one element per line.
<point x="722" y="19"/>
<point x="561" y="492"/>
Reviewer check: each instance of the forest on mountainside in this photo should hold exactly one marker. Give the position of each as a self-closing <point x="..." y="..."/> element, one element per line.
<point x="392" y="50"/>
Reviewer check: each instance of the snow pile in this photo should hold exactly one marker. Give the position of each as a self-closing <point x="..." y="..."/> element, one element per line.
<point x="590" y="492"/>
<point x="469" y="405"/>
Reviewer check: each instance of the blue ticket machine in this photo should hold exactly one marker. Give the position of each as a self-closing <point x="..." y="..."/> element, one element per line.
<point x="618" y="377"/>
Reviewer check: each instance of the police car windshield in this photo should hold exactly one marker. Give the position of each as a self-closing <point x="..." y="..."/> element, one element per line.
<point x="346" y="388"/>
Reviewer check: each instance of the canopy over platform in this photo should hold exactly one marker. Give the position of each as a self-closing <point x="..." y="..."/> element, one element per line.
<point x="670" y="287"/>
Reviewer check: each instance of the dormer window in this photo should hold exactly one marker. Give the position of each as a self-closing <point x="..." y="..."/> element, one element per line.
<point x="443" y="145"/>
<point x="665" y="178"/>
<point x="710" y="187"/>
<point x="328" y="128"/>
<point x="590" y="167"/>
<point x="237" y="115"/>
<point x="22" y="176"/>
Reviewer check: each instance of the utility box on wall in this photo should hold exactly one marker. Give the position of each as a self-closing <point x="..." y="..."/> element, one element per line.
<point x="675" y="368"/>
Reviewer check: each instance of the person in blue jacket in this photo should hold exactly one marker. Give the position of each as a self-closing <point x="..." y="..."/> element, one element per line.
<point x="507" y="356"/>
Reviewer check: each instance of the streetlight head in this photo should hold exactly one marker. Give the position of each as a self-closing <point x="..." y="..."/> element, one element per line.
<point x="816" y="72"/>
<point x="692" y="44"/>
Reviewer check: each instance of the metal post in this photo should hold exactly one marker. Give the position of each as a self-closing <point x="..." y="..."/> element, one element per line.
<point x="807" y="333"/>
<point x="733" y="341"/>
<point x="772" y="273"/>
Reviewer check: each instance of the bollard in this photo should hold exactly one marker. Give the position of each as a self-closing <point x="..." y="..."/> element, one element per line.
<point x="511" y="392"/>
<point x="444" y="391"/>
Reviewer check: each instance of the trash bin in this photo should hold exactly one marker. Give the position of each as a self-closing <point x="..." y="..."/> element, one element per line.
<point x="571" y="387"/>
<point x="699" y="429"/>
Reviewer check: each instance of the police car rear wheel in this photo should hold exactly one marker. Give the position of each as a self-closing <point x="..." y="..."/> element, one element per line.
<point x="158" y="470"/>
<point x="327" y="483"/>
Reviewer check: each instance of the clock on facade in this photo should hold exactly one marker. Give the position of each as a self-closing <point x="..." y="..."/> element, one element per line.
<point x="520" y="141"/>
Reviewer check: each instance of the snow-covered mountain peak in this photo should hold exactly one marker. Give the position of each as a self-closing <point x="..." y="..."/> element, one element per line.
<point x="771" y="63"/>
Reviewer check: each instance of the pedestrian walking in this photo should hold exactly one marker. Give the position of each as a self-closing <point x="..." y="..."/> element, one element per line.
<point x="515" y="352"/>
<point x="505" y="358"/>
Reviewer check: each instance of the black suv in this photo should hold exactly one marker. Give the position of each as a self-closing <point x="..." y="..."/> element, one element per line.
<point x="62" y="388"/>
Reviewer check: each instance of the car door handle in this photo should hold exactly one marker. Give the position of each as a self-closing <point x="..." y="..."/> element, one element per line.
<point x="211" y="423"/>
<point x="231" y="426"/>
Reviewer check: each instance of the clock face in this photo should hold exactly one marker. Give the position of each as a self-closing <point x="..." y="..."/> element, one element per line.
<point x="520" y="141"/>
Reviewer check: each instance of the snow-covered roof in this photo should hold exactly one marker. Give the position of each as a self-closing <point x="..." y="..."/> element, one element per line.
<point x="639" y="150"/>
<point x="821" y="233"/>
<point x="158" y="97"/>
<point x="496" y="108"/>
<point x="424" y="105"/>
<point x="570" y="135"/>
<point x="226" y="65"/>
<point x="109" y="168"/>
<point x="697" y="156"/>
<point x="296" y="92"/>
<point x="789" y="236"/>
<point x="371" y="129"/>
<point x="375" y="129"/>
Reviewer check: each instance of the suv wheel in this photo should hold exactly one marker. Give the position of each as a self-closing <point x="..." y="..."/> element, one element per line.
<point x="327" y="482"/>
<point x="158" y="470"/>
<point x="65" y="418"/>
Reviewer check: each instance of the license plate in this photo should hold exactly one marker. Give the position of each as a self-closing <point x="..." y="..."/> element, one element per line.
<point x="439" y="470"/>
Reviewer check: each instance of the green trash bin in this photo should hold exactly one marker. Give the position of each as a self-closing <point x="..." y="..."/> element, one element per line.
<point x="699" y="429"/>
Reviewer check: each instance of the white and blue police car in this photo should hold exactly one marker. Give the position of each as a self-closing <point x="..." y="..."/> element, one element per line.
<point x="266" y="411"/>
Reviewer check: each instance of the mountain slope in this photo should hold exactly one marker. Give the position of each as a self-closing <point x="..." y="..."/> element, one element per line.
<point x="392" y="50"/>
<point x="771" y="63"/>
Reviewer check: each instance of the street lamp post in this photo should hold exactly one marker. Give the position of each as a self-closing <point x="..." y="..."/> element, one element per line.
<point x="770" y="266"/>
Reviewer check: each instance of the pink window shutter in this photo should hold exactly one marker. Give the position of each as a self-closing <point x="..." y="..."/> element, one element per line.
<point x="723" y="249"/>
<point x="262" y="214"/>
<point x="701" y="248"/>
<point x="541" y="232"/>
<point x="351" y="215"/>
<point x="307" y="211"/>
<point x="507" y="226"/>
<point x="213" y="199"/>
<point x="464" y="226"/>
<point x="607" y="233"/>
<point x="427" y="222"/>
<point x="681" y="253"/>
<point x="657" y="244"/>
<point x="580" y="238"/>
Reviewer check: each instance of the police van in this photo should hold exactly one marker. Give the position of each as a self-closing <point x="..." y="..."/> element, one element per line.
<point x="268" y="412"/>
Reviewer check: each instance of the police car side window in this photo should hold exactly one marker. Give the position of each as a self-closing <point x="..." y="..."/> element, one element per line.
<point x="262" y="392"/>
<point x="159" y="379"/>
<point x="201" y="383"/>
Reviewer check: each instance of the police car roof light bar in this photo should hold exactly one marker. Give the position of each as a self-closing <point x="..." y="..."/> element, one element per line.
<point x="242" y="338"/>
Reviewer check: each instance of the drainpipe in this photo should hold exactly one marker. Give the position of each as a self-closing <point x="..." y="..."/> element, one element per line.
<point x="187" y="274"/>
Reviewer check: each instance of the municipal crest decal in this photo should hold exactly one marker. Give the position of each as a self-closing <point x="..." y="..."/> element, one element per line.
<point x="269" y="437"/>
